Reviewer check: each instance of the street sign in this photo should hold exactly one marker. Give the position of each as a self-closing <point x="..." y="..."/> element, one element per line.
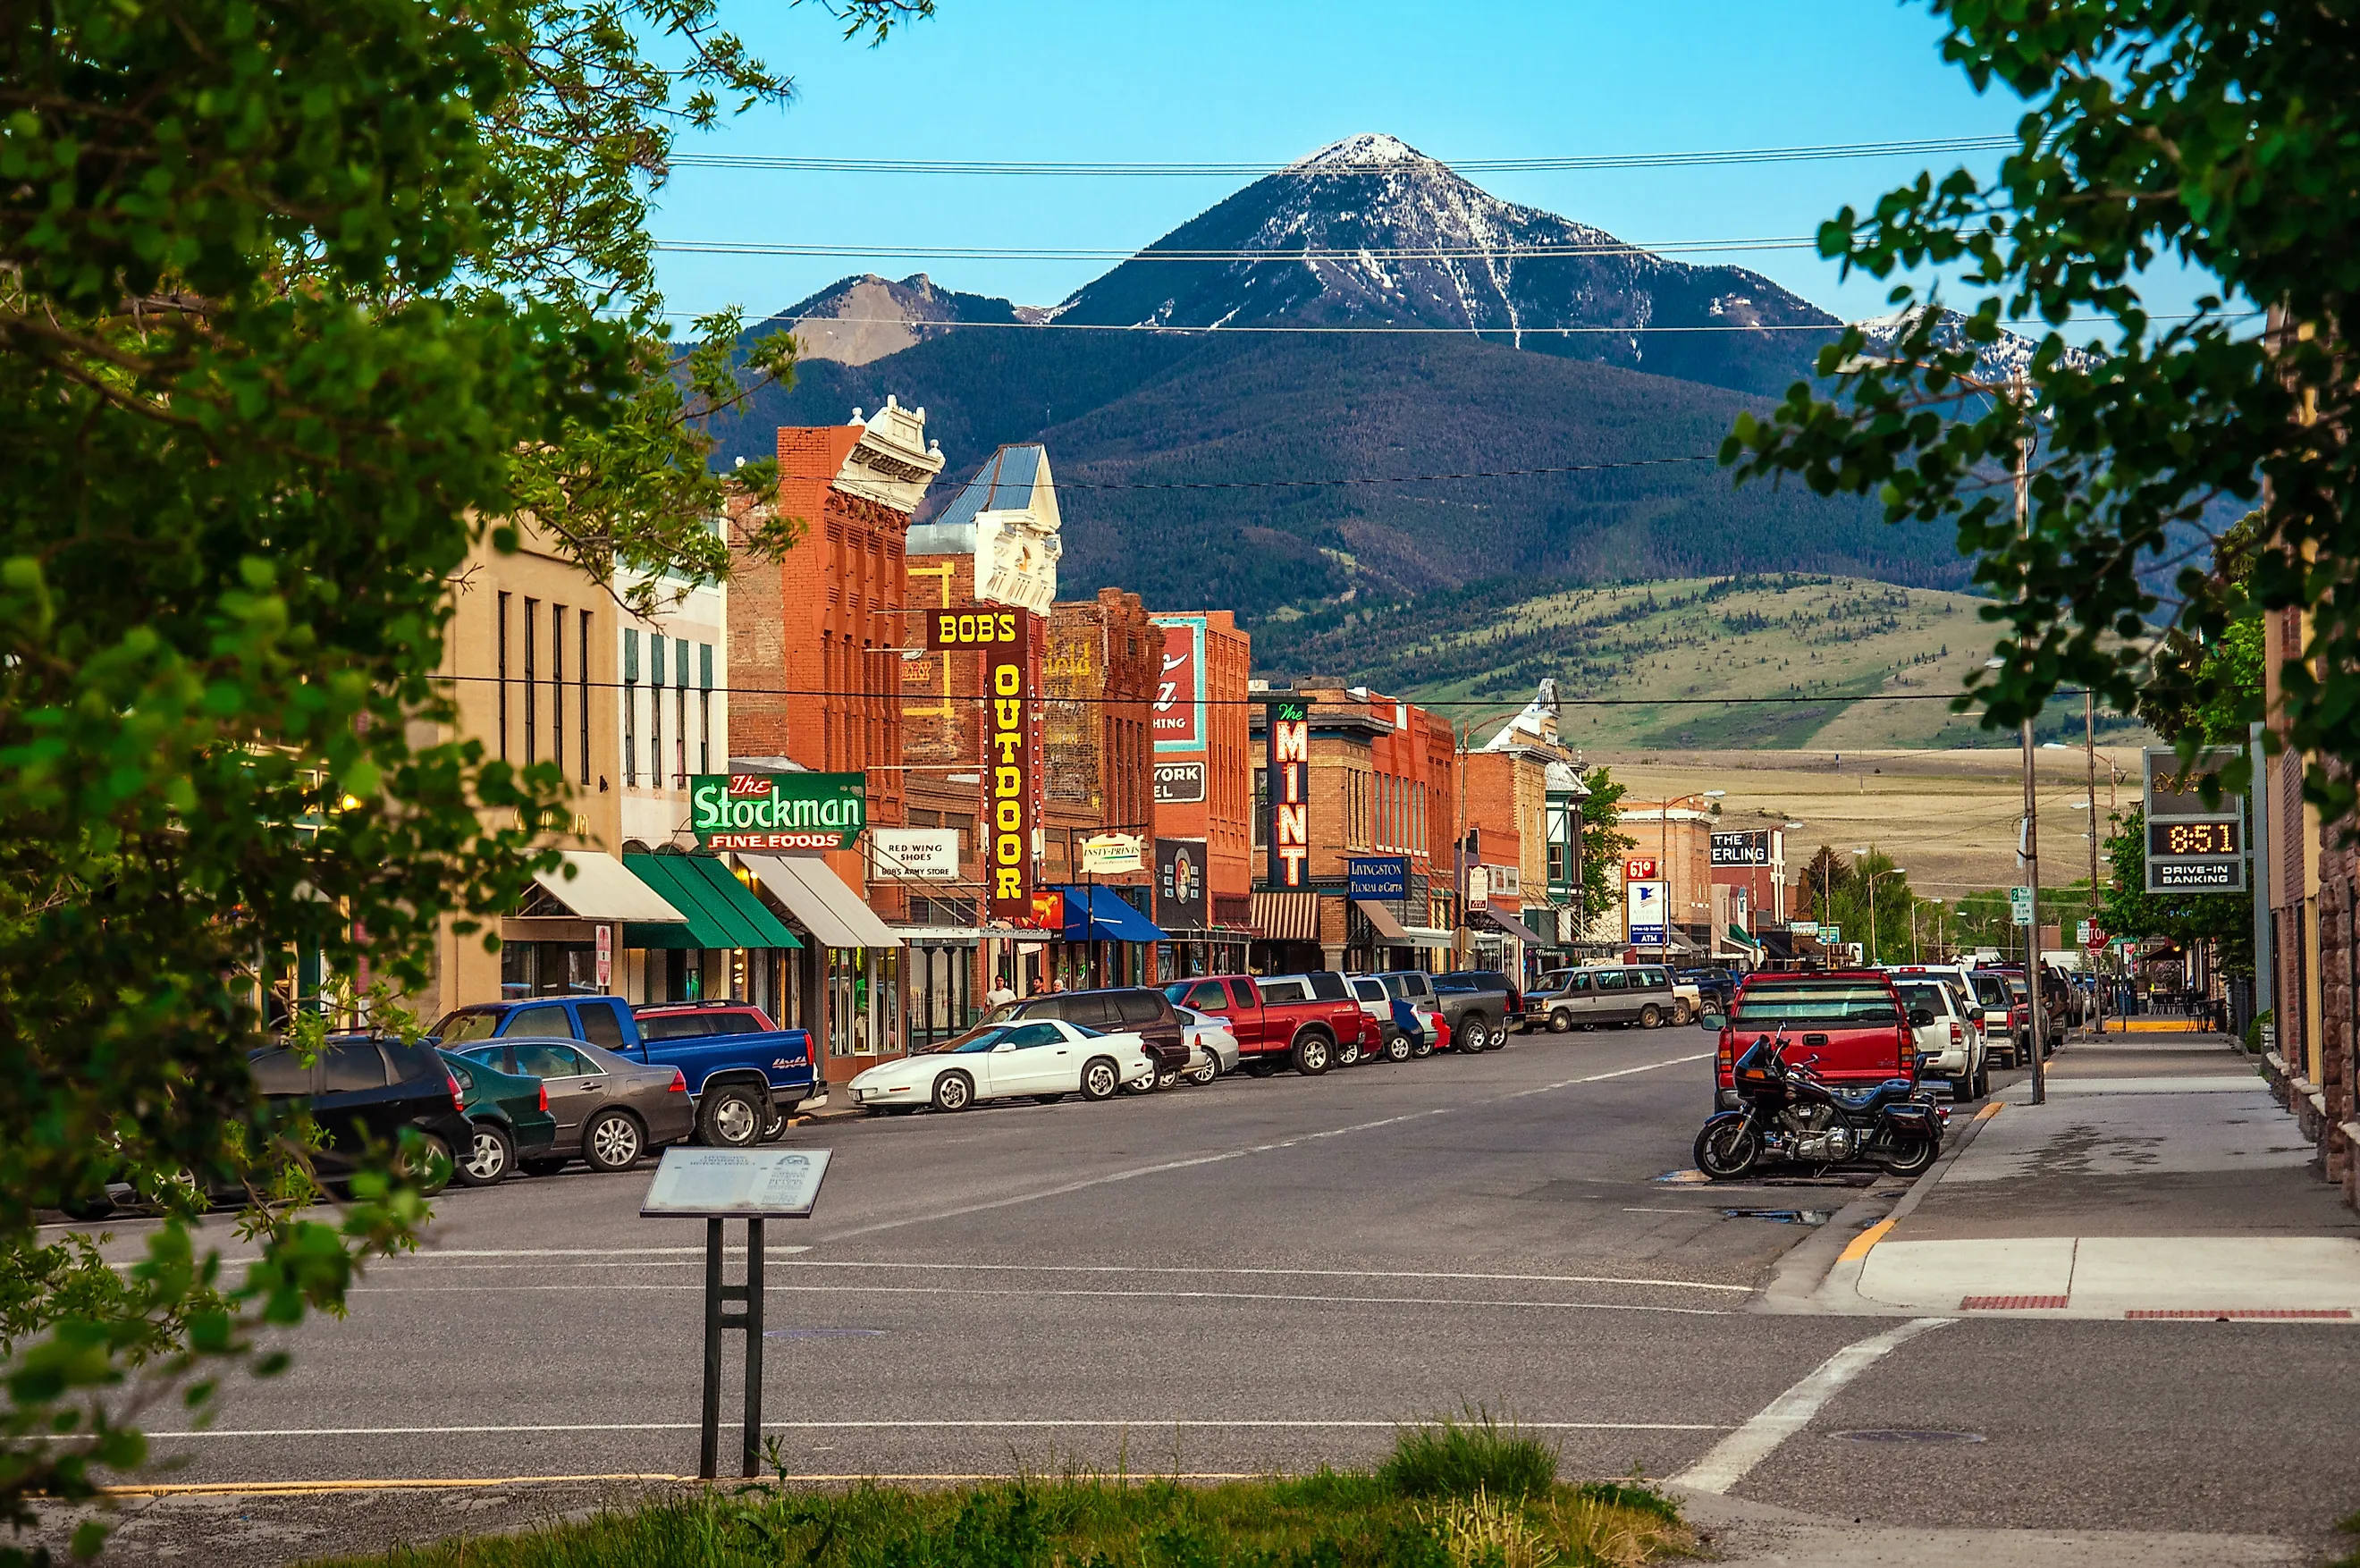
<point x="2092" y="936"/>
<point x="2192" y="845"/>
<point x="1830" y="935"/>
<point x="2019" y="905"/>
<point x="1802" y="927"/>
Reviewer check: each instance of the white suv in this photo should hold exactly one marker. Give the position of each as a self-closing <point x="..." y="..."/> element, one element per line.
<point x="1955" y="1035"/>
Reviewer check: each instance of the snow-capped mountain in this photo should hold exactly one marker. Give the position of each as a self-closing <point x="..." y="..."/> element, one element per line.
<point x="1370" y="230"/>
<point x="1997" y="362"/>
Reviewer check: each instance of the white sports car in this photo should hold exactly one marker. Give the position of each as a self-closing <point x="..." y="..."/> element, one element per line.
<point x="1046" y="1058"/>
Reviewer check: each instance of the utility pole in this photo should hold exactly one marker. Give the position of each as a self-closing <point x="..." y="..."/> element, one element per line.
<point x="2031" y="842"/>
<point x="2090" y="744"/>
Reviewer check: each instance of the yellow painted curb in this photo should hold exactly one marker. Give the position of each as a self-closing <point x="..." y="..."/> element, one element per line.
<point x="1994" y="1108"/>
<point x="1863" y="1242"/>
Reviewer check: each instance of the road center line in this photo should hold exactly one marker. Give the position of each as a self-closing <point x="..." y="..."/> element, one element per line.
<point x="697" y="1261"/>
<point x="1167" y="1166"/>
<point x="1068" y="1293"/>
<point x="1791" y="1411"/>
<point x="1147" y="1423"/>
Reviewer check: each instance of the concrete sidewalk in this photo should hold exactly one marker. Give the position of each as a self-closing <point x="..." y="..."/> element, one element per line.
<point x="2161" y="1180"/>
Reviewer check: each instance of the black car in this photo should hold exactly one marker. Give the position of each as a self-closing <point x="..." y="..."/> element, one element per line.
<point x="365" y="1090"/>
<point x="1137" y="1008"/>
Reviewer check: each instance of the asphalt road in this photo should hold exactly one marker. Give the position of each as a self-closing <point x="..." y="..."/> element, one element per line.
<point x="1271" y="1274"/>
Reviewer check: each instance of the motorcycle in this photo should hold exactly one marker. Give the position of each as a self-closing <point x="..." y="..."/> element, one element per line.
<point x="1791" y="1114"/>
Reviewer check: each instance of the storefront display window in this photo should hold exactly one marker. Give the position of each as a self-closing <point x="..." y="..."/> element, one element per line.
<point x="549" y="969"/>
<point x="864" y="1002"/>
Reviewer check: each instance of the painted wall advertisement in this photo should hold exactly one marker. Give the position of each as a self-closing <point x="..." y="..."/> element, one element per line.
<point x="1288" y="742"/>
<point x="1180" y="900"/>
<point x="1178" y="714"/>
<point x="766" y="813"/>
<point x="1178" y="784"/>
<point x="1750" y="849"/>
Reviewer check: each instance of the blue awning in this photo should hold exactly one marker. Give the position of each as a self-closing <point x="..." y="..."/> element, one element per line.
<point x="1100" y="915"/>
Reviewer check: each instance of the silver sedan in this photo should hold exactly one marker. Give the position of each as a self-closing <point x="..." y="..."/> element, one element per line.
<point x="1212" y="1045"/>
<point x="610" y="1110"/>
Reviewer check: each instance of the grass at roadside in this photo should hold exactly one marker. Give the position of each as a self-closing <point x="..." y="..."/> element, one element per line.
<point x="1471" y="1494"/>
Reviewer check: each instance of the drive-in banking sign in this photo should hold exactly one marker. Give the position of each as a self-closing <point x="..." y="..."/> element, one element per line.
<point x="765" y="813"/>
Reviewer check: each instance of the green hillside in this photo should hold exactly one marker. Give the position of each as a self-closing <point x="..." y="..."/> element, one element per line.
<point x="1177" y="459"/>
<point x="1867" y="659"/>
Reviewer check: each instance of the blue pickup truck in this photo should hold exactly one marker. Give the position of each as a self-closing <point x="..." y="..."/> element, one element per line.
<point x="745" y="1074"/>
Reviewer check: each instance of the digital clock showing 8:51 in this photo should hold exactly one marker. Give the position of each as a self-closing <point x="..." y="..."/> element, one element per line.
<point x="2168" y="839"/>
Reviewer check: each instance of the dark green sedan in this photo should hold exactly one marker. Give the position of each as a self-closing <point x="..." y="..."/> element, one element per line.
<point x="511" y="1116"/>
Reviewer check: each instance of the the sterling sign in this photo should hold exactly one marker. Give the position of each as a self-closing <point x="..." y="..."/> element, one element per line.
<point x="765" y="813"/>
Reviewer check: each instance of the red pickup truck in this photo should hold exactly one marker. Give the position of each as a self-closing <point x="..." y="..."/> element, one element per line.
<point x="1848" y="1024"/>
<point x="1293" y="1020"/>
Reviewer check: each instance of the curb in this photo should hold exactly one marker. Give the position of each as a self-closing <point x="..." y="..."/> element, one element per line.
<point x="1822" y="1274"/>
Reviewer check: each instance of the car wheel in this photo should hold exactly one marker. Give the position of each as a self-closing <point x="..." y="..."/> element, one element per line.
<point x="1680" y="1011"/>
<point x="1168" y="1078"/>
<point x="1349" y="1054"/>
<point x="954" y="1091"/>
<point x="1983" y="1079"/>
<point x="1099" y="1078"/>
<point x="613" y="1140"/>
<point x="91" y="1206"/>
<point x="1649" y="1016"/>
<point x="542" y="1167"/>
<point x="431" y="1166"/>
<point x="775" y="1127"/>
<point x="1312" y="1054"/>
<point x="1561" y="1022"/>
<point x="1421" y="1048"/>
<point x="1963" y="1089"/>
<point x="1472" y="1031"/>
<point x="1400" y="1048"/>
<point x="730" y="1118"/>
<point x="1203" y="1075"/>
<point x="1260" y="1068"/>
<point x="490" y="1157"/>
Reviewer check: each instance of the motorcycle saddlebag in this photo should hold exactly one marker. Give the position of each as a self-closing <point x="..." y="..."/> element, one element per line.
<point x="1910" y="1117"/>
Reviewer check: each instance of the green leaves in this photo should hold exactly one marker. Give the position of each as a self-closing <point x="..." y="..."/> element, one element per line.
<point x="2214" y="135"/>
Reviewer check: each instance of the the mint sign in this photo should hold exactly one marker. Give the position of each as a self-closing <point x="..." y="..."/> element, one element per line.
<point x="765" y="813"/>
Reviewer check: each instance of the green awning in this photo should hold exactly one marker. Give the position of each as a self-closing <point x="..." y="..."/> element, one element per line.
<point x="1743" y="938"/>
<point x="721" y="913"/>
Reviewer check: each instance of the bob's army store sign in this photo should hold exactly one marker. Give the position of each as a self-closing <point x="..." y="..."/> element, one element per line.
<point x="1742" y="848"/>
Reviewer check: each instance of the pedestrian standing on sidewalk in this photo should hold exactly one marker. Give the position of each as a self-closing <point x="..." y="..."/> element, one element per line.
<point x="1000" y="994"/>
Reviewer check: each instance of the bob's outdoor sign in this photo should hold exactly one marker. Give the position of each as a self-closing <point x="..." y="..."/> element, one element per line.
<point x="765" y="813"/>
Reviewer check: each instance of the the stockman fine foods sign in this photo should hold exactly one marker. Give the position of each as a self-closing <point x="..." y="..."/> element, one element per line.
<point x="764" y="813"/>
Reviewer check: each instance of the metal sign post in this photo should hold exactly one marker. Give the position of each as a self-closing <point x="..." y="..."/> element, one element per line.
<point x="716" y="1186"/>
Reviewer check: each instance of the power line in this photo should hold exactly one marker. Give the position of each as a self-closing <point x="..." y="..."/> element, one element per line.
<point x="1069" y="169"/>
<point x="1610" y="247"/>
<point x="1307" y="329"/>
<point x="1319" y="483"/>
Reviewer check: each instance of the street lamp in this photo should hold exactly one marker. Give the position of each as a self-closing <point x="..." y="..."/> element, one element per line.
<point x="1664" y="862"/>
<point x="1889" y="871"/>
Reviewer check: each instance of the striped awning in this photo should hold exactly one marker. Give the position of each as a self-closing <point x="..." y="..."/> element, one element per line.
<point x="1287" y="916"/>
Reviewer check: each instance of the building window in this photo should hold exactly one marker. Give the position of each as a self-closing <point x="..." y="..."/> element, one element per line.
<point x="532" y="680"/>
<point x="557" y="686"/>
<point x="501" y="669"/>
<point x="630" y="708"/>
<point x="582" y="689"/>
<point x="655" y="709"/>
<point x="679" y="713"/>
<point x="705" y="708"/>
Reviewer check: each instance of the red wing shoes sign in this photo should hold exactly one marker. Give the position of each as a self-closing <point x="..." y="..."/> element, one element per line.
<point x="765" y="813"/>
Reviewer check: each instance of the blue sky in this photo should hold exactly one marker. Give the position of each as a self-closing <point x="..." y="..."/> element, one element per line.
<point x="1228" y="80"/>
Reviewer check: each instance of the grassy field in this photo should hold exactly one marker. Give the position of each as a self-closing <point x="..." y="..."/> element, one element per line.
<point x="1457" y="1495"/>
<point x="1947" y="816"/>
<point x="1853" y="663"/>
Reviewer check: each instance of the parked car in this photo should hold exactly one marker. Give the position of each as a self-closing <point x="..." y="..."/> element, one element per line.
<point x="1279" y="1020"/>
<point x="510" y="1117"/>
<point x="1716" y="987"/>
<point x="1947" y="1035"/>
<point x="1401" y="1031"/>
<point x="365" y="1092"/>
<point x="1996" y="1004"/>
<point x="610" y="1110"/>
<point x="1477" y="1004"/>
<point x="1045" y="1059"/>
<point x="1135" y="1009"/>
<point x="1212" y="1046"/>
<point x="742" y="1082"/>
<point x="1596" y="995"/>
<point x="1415" y="987"/>
<point x="1847" y="1025"/>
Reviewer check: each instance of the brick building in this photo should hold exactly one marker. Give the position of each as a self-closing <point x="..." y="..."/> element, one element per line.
<point x="812" y="636"/>
<point x="1204" y="781"/>
<point x="1383" y="804"/>
<point x="1676" y="838"/>
<point x="1097" y="679"/>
